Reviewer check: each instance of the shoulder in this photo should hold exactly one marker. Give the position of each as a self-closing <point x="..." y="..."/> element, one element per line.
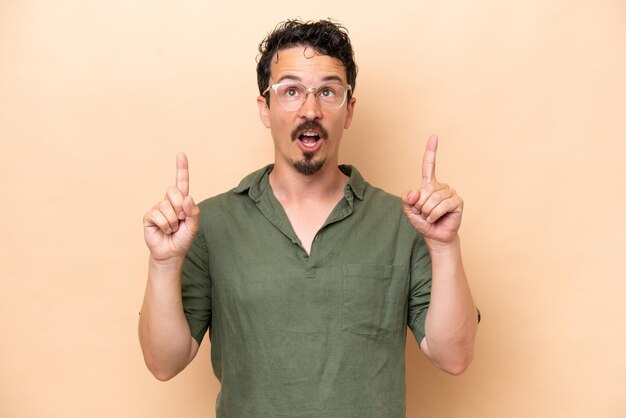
<point x="378" y="196"/>
<point x="382" y="204"/>
<point x="380" y="207"/>
<point x="239" y="198"/>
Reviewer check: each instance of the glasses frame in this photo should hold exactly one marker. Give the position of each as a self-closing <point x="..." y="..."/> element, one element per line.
<point x="309" y="90"/>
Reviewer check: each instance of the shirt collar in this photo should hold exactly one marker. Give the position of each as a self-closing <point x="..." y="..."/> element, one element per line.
<point x="356" y="182"/>
<point x="256" y="182"/>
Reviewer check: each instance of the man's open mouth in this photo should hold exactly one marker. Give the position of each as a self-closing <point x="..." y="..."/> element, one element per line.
<point x="309" y="139"/>
<point x="309" y="136"/>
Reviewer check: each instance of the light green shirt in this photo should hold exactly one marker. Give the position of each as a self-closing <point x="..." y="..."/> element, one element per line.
<point x="297" y="335"/>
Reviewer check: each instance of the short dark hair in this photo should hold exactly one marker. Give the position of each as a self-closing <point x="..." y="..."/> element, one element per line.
<point x="324" y="36"/>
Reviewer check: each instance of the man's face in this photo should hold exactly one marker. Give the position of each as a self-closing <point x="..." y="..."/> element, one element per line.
<point x="307" y="138"/>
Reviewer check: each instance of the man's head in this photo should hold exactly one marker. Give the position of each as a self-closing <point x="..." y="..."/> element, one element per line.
<point x="324" y="37"/>
<point x="306" y="75"/>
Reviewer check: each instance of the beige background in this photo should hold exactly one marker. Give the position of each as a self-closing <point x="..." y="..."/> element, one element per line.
<point x="529" y="100"/>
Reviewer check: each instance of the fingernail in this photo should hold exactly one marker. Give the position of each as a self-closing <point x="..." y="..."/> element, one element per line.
<point x="429" y="220"/>
<point x="415" y="210"/>
<point x="181" y="215"/>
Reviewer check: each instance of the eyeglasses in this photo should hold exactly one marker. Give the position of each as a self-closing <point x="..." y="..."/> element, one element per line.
<point x="291" y="96"/>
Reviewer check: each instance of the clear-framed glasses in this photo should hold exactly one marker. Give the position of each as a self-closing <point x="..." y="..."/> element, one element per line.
<point x="291" y="95"/>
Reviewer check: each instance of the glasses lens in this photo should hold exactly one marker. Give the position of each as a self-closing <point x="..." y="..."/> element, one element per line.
<point x="331" y="95"/>
<point x="291" y="96"/>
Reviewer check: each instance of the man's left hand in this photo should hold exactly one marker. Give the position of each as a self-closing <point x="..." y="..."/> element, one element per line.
<point x="434" y="210"/>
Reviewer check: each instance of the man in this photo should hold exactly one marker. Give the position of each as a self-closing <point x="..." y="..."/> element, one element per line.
<point x="306" y="276"/>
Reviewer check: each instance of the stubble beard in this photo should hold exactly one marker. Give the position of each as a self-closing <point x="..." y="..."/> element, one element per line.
<point x="308" y="165"/>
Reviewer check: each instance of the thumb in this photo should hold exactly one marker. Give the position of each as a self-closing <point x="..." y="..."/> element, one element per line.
<point x="192" y="214"/>
<point x="411" y="197"/>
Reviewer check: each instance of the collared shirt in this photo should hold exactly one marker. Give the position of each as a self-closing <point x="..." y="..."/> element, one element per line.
<point x="319" y="335"/>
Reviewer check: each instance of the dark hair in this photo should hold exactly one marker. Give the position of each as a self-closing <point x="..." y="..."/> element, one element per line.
<point x="324" y="36"/>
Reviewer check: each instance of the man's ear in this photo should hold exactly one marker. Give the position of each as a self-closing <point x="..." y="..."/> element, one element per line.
<point x="264" y="111"/>
<point x="349" y="113"/>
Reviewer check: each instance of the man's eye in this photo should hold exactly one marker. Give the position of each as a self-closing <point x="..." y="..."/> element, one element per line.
<point x="327" y="92"/>
<point x="292" y="92"/>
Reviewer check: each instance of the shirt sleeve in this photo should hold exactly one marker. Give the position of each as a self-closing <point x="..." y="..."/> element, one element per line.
<point x="419" y="292"/>
<point x="196" y="287"/>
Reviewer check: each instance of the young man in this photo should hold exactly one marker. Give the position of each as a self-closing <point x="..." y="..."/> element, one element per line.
<point x="305" y="275"/>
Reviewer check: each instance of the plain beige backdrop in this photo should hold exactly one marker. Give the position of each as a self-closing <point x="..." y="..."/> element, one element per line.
<point x="529" y="101"/>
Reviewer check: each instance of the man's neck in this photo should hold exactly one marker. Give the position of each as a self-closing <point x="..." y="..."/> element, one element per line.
<point x="308" y="200"/>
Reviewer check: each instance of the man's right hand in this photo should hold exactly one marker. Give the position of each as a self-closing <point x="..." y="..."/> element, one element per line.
<point x="169" y="227"/>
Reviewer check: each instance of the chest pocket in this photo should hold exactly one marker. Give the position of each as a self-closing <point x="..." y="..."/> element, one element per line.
<point x="374" y="299"/>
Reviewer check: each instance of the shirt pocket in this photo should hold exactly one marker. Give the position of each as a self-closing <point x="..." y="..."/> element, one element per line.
<point x="374" y="299"/>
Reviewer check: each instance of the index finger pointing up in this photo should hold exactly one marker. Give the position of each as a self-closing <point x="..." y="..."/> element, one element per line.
<point x="182" y="174"/>
<point x="428" y="163"/>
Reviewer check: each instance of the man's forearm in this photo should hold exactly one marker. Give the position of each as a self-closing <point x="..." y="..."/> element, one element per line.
<point x="451" y="322"/>
<point x="164" y="334"/>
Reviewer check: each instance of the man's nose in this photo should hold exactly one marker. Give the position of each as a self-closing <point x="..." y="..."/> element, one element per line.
<point x="310" y="109"/>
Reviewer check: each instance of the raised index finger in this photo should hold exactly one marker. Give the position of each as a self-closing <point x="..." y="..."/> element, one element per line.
<point x="428" y="163"/>
<point x="182" y="174"/>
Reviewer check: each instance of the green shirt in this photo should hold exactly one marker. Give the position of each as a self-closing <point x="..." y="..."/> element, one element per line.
<point x="298" y="335"/>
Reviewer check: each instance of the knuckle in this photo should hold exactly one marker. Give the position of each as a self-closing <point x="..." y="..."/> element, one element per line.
<point x="440" y="194"/>
<point x="154" y="215"/>
<point x="160" y="221"/>
<point x="428" y="188"/>
<point x="165" y="205"/>
<point x="171" y="217"/>
<point x="438" y="212"/>
<point x="428" y="208"/>
<point x="173" y="194"/>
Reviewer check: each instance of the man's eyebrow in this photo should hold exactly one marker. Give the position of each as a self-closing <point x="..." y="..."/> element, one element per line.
<point x="294" y="77"/>
<point x="289" y="77"/>
<point x="332" y="78"/>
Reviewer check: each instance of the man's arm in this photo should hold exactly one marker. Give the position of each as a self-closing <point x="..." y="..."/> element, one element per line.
<point x="451" y="321"/>
<point x="169" y="229"/>
<point x="435" y="211"/>
<point x="164" y="334"/>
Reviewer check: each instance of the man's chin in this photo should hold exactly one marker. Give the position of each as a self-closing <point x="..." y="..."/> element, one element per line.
<point x="308" y="166"/>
